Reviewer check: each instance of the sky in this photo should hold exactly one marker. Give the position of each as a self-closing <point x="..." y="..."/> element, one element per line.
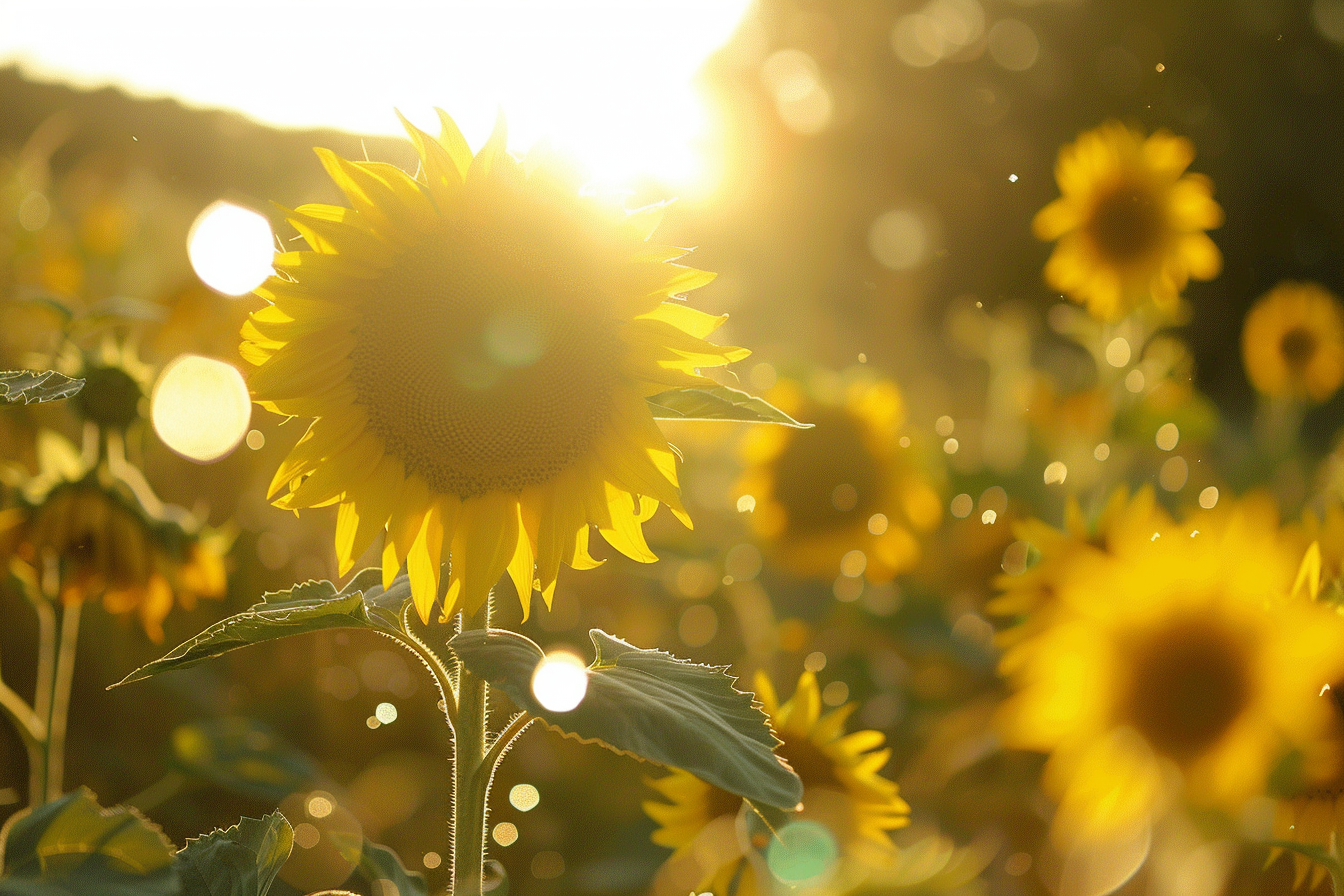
<point x="609" y="81"/>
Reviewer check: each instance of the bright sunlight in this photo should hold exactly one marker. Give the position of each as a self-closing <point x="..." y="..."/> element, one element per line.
<point x="607" y="81"/>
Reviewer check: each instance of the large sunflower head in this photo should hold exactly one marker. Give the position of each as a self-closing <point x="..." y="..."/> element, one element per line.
<point x="476" y="344"/>
<point x="846" y="485"/>
<point x="96" y="532"/>
<point x="1292" y="343"/>
<point x="1182" y="670"/>
<point x="1130" y="221"/>
<point x="843" y="790"/>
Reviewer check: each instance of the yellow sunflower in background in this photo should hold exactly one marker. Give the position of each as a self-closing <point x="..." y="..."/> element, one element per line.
<point x="1312" y="811"/>
<point x="1325" y="529"/>
<point x="116" y="385"/>
<point x="477" y="346"/>
<point x="843" y="789"/>
<point x="1292" y="343"/>
<point x="106" y="543"/>
<point x="1183" y="670"/>
<point x="1125" y="523"/>
<point x="1130" y="221"/>
<point x="844" y="486"/>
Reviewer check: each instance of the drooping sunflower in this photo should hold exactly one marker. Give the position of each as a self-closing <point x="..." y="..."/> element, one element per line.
<point x="843" y="789"/>
<point x="105" y="543"/>
<point x="476" y="346"/>
<point x="1125" y="524"/>
<point x="1292" y="342"/>
<point x="1182" y="671"/>
<point x="845" y="485"/>
<point x="1130" y="222"/>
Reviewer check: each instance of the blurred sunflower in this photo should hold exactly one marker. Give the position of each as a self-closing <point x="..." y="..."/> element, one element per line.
<point x="1184" y="662"/>
<point x="842" y="788"/>
<point x="1125" y="524"/>
<point x="1292" y="343"/>
<point x="477" y="346"/>
<point x="1326" y="531"/>
<point x="1130" y="223"/>
<point x="1312" y="810"/>
<point x="1315" y="813"/>
<point x="844" y="486"/>
<point x="106" y="544"/>
<point x="116" y="383"/>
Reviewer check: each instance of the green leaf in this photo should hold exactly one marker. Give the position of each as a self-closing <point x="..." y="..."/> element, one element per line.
<point x="75" y="847"/>
<point x="650" y="705"/>
<point x="240" y="861"/>
<point x="32" y="386"/>
<point x="377" y="866"/>
<point x="378" y="863"/>
<point x="310" y="607"/>
<point x="244" y="756"/>
<point x="717" y="403"/>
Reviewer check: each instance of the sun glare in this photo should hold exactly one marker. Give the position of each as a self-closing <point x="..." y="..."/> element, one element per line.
<point x="560" y="681"/>
<point x="609" y="82"/>
<point x="201" y="408"/>
<point x="230" y="248"/>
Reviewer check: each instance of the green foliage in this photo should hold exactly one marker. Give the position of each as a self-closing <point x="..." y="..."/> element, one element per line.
<point x="31" y="386"/>
<point x="650" y="705"/>
<point x="310" y="607"/>
<point x="244" y="756"/>
<point x="74" y="847"/>
<point x="240" y="861"/>
<point x="718" y="403"/>
<point x="376" y="864"/>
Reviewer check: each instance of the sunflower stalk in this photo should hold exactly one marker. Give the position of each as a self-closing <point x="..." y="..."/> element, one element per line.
<point x="34" y="722"/>
<point x="58" y="719"/>
<point x="471" y="772"/>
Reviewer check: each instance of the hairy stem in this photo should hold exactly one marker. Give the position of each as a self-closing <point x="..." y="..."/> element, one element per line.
<point x="442" y="678"/>
<point x="60" y="700"/>
<point x="471" y="774"/>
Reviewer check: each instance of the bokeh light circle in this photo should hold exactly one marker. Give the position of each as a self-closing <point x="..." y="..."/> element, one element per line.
<point x="201" y="409"/>
<point x="803" y="851"/>
<point x="230" y="248"/>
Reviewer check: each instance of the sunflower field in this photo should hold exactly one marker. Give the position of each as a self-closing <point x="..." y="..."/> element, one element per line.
<point x="726" y="448"/>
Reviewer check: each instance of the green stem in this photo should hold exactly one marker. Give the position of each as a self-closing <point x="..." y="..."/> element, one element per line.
<point x="42" y="693"/>
<point x="442" y="679"/>
<point x="30" y="727"/>
<point x="60" y="700"/>
<point x="471" y="774"/>
<point x="158" y="793"/>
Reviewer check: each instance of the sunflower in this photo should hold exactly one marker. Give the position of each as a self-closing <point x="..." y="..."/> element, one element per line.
<point x="1326" y="531"/>
<point x="842" y="788"/>
<point x="476" y="346"/>
<point x="1292" y="342"/>
<point x="1130" y="223"/>
<point x="1314" y="814"/>
<point x="106" y="544"/>
<point x="1184" y="661"/>
<point x="1124" y="525"/>
<point x="115" y="386"/>
<point x="844" y="486"/>
<point x="1312" y="810"/>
